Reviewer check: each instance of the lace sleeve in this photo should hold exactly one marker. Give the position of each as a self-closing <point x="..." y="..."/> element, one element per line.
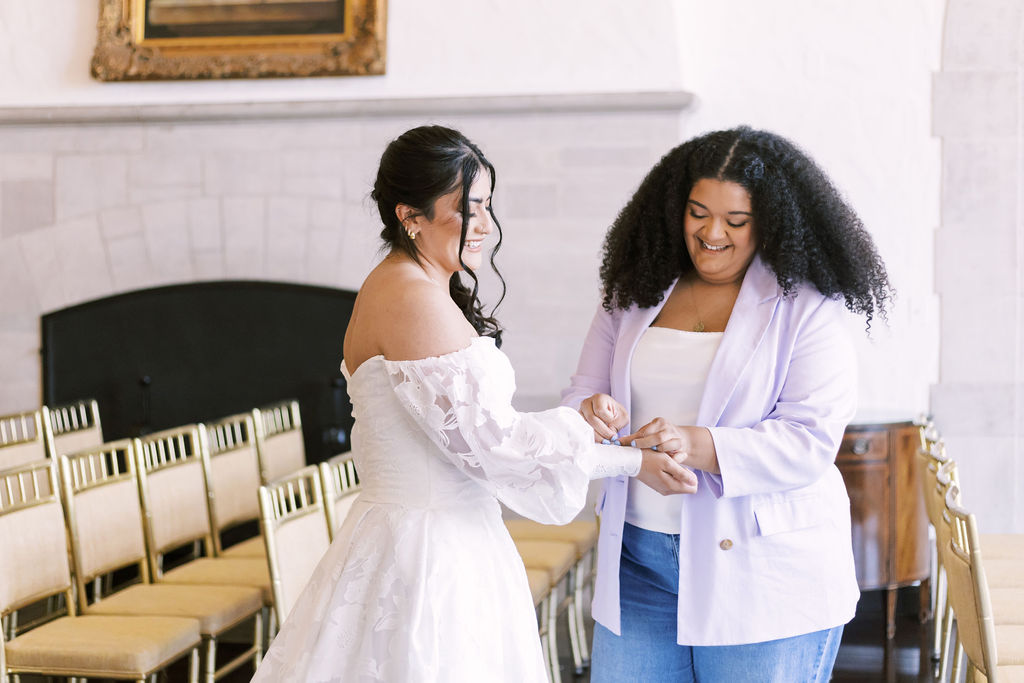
<point x="538" y="464"/>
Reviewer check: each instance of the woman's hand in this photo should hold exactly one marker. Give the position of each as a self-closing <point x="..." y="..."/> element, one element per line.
<point x="605" y="415"/>
<point x="686" y="444"/>
<point x="664" y="474"/>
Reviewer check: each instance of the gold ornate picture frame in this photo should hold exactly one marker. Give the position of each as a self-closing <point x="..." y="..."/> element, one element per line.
<point x="202" y="39"/>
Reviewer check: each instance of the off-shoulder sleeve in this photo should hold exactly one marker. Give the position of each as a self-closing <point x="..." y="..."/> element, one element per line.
<point x="538" y="464"/>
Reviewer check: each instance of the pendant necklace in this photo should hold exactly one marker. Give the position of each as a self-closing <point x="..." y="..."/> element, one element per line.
<point x="699" y="327"/>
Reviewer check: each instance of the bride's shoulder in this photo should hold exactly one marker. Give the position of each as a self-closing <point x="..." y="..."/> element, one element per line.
<point x="414" y="317"/>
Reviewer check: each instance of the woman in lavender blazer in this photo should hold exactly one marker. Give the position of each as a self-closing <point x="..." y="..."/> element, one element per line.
<point x="721" y="340"/>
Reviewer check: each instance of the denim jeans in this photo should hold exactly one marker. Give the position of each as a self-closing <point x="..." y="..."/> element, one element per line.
<point x="647" y="650"/>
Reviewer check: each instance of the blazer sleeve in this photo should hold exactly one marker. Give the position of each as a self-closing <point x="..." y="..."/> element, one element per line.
<point x="799" y="438"/>
<point x="593" y="373"/>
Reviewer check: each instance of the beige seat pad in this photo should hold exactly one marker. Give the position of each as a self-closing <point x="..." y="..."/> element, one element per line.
<point x="97" y="646"/>
<point x="1003" y="573"/>
<point x="555" y="556"/>
<point x="1010" y="644"/>
<point x="582" y="534"/>
<point x="224" y="571"/>
<point x="1002" y="546"/>
<point x="253" y="547"/>
<point x="540" y="584"/>
<point x="216" y="607"/>
<point x="1007" y="605"/>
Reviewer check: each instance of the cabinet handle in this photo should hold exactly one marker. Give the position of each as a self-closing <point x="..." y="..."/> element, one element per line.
<point x="861" y="446"/>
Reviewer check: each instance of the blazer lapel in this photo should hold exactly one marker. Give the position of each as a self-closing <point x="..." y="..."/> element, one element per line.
<point x="751" y="315"/>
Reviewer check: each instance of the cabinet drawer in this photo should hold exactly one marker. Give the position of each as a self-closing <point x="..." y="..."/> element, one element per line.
<point x="863" y="446"/>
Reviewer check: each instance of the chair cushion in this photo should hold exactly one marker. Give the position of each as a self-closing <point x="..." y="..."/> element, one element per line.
<point x="1007" y="605"/>
<point x="253" y="547"/>
<point x="1002" y="546"/>
<point x="1003" y="573"/>
<point x="554" y="556"/>
<point x="1009" y="674"/>
<point x="224" y="571"/>
<point x="540" y="585"/>
<point x="582" y="533"/>
<point x="216" y="607"/>
<point x="1010" y="644"/>
<point x="97" y="646"/>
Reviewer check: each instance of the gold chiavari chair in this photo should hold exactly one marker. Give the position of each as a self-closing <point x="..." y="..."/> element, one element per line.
<point x="583" y="535"/>
<point x="23" y="438"/>
<point x="994" y="650"/>
<point x="279" y="439"/>
<point x="73" y="427"/>
<point x="540" y="590"/>
<point x="557" y="558"/>
<point x="234" y="482"/>
<point x="34" y="565"/>
<point x="173" y="473"/>
<point x="293" y="516"/>
<point x="101" y="494"/>
<point x="340" y="483"/>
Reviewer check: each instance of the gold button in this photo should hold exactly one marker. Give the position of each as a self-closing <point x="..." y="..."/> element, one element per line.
<point x="725" y="544"/>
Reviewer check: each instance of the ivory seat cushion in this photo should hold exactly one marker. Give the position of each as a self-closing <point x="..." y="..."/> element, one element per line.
<point x="99" y="646"/>
<point x="581" y="533"/>
<point x="215" y="607"/>
<point x="1008" y="674"/>
<point x="1002" y="546"/>
<point x="1007" y="605"/>
<point x="1003" y="573"/>
<point x="224" y="571"/>
<point x="555" y="556"/>
<point x="1010" y="644"/>
<point x="252" y="547"/>
<point x="540" y="585"/>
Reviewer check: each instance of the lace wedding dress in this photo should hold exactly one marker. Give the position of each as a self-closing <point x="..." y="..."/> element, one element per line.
<point x="423" y="582"/>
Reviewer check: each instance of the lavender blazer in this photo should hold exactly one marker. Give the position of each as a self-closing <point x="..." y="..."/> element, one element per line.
<point x="765" y="549"/>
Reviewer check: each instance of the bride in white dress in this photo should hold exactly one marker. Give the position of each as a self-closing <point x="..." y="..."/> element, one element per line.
<point x="423" y="582"/>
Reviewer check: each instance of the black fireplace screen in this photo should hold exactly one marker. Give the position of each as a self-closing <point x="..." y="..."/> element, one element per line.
<point x="164" y="357"/>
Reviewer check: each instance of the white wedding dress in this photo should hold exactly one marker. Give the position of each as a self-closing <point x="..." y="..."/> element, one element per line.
<point x="423" y="582"/>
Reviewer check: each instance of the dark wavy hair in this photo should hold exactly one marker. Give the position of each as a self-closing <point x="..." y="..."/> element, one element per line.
<point x="416" y="169"/>
<point x="806" y="231"/>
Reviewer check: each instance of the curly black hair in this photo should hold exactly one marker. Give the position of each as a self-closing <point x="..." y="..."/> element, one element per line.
<point x="806" y="230"/>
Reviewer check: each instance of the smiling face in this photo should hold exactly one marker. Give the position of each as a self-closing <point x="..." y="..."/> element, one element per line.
<point x="719" y="230"/>
<point x="439" y="238"/>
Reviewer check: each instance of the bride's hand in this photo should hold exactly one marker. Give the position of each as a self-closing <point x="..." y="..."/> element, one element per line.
<point x="605" y="415"/>
<point x="664" y="474"/>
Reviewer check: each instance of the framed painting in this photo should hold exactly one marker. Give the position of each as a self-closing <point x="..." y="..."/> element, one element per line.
<point x="198" y="39"/>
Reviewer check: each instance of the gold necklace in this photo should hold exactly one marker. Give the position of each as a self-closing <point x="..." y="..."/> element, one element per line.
<point x="699" y="327"/>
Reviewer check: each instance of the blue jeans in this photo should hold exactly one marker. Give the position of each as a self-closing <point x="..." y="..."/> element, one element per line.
<point x="647" y="650"/>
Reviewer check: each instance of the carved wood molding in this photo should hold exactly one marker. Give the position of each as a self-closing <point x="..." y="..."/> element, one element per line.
<point x="124" y="53"/>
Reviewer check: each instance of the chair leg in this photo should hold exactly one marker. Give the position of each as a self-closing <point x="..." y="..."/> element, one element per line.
<point x="556" y="672"/>
<point x="947" y="642"/>
<point x="577" y="631"/>
<point x="210" y="667"/>
<point x="193" y="666"/>
<point x="938" y="610"/>
<point x="257" y="639"/>
<point x="958" y="662"/>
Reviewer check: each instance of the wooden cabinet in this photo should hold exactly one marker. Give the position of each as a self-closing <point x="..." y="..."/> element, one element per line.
<point x="878" y="461"/>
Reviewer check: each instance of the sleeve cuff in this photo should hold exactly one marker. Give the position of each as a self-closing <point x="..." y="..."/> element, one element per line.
<point x="613" y="461"/>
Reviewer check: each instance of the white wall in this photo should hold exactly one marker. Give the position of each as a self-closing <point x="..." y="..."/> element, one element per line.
<point x="850" y="82"/>
<point x="435" y="48"/>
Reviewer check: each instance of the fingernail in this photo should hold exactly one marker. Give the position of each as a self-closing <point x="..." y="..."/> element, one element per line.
<point x="654" y="448"/>
<point x="616" y="442"/>
<point x="606" y="442"/>
<point x="633" y="443"/>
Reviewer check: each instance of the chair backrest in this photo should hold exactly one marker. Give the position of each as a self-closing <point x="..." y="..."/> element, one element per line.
<point x="173" y="477"/>
<point x="74" y="427"/>
<point x="234" y="470"/>
<point x="341" y="486"/>
<point x="279" y="439"/>
<point x="934" y="457"/>
<point x="23" y="438"/>
<point x="101" y="501"/>
<point x="33" y="541"/>
<point x="967" y="587"/>
<point x="294" y="523"/>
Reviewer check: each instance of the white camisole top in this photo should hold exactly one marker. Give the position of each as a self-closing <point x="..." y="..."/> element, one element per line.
<point x="667" y="377"/>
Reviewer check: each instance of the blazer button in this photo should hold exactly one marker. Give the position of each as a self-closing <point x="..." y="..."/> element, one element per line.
<point x="725" y="544"/>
